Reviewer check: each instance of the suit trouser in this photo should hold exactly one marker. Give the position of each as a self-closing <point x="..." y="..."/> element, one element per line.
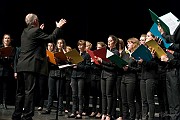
<point x="25" y="96"/>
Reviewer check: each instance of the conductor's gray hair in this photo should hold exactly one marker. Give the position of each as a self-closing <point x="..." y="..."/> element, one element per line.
<point x="29" y="19"/>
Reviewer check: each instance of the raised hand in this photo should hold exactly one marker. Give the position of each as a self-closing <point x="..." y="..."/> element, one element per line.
<point x="60" y="23"/>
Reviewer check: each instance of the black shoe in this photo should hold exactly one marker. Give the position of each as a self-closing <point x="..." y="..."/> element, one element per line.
<point x="72" y="115"/>
<point x="78" y="116"/>
<point x="18" y="118"/>
<point x="138" y="117"/>
<point x="23" y="118"/>
<point x="60" y="113"/>
<point x="46" y="112"/>
<point x="113" y="118"/>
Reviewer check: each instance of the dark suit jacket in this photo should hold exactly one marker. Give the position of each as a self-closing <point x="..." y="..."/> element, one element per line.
<point x="33" y="50"/>
<point x="16" y="57"/>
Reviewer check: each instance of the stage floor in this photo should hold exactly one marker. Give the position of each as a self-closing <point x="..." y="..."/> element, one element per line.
<point x="6" y="115"/>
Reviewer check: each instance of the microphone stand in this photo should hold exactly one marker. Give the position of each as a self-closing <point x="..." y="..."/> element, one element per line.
<point x="58" y="97"/>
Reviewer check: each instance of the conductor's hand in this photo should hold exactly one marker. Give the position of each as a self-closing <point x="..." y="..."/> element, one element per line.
<point x="60" y="23"/>
<point x="42" y="26"/>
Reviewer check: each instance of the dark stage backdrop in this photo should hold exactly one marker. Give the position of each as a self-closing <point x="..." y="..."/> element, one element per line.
<point x="86" y="19"/>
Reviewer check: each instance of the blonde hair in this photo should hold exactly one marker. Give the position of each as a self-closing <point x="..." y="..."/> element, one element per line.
<point x="135" y="41"/>
<point x="68" y="48"/>
<point x="102" y="44"/>
<point x="143" y="35"/>
<point x="88" y="44"/>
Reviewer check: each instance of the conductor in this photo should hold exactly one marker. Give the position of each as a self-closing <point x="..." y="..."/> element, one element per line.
<point x="31" y="64"/>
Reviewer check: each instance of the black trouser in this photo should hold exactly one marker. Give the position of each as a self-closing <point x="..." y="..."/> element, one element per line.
<point x="128" y="97"/>
<point x="86" y="94"/>
<point x="96" y="92"/>
<point x="25" y="96"/>
<point x="40" y="91"/>
<point x="138" y="103"/>
<point x="114" y="100"/>
<point x="55" y="85"/>
<point x="162" y="93"/>
<point x="147" y="87"/>
<point x="68" y="94"/>
<point x="107" y="86"/>
<point x="172" y="83"/>
<point x="3" y="89"/>
<point x="118" y="87"/>
<point x="77" y="85"/>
